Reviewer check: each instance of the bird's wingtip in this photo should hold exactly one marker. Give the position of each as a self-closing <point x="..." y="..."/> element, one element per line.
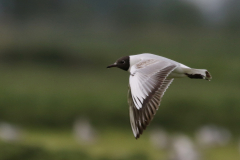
<point x="208" y="76"/>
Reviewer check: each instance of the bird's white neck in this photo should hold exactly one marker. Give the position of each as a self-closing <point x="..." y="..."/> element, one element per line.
<point x="133" y="60"/>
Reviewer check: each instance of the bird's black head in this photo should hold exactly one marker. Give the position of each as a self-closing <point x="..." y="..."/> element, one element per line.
<point x="123" y="63"/>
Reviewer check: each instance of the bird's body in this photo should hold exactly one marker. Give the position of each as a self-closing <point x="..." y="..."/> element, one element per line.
<point x="150" y="76"/>
<point x="179" y="72"/>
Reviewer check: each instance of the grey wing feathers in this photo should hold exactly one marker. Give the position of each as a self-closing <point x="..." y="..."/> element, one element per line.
<point x="140" y="118"/>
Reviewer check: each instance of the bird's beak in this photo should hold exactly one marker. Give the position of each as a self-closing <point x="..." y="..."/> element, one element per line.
<point x="112" y="65"/>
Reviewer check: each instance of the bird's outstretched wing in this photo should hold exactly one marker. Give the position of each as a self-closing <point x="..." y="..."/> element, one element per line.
<point x="147" y="84"/>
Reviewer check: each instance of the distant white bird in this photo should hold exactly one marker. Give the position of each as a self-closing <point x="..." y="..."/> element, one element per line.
<point x="9" y="132"/>
<point x="159" y="138"/>
<point x="183" y="149"/>
<point x="212" y="136"/>
<point x="84" y="131"/>
<point x="150" y="76"/>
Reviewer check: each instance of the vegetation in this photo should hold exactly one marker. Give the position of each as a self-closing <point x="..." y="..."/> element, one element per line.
<point x="54" y="93"/>
<point x="112" y="144"/>
<point x="54" y="73"/>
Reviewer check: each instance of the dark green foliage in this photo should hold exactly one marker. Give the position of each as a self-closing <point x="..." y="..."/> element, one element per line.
<point x="18" y="151"/>
<point x="12" y="151"/>
<point x="37" y="92"/>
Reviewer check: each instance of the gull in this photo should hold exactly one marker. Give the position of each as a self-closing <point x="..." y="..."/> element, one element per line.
<point x="150" y="76"/>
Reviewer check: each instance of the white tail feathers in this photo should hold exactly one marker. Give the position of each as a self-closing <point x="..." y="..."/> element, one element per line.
<point x="198" y="74"/>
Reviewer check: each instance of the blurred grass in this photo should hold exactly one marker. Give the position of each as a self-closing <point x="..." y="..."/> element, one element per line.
<point x="50" y="94"/>
<point x="53" y="71"/>
<point x="112" y="143"/>
<point x="54" y="95"/>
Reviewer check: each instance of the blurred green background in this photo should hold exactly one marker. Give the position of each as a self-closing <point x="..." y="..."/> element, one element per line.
<point x="58" y="100"/>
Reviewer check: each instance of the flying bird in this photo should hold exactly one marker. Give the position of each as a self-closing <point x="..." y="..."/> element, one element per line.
<point x="150" y="76"/>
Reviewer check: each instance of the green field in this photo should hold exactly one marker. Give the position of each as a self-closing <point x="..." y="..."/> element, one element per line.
<point x="46" y="97"/>
<point x="110" y="144"/>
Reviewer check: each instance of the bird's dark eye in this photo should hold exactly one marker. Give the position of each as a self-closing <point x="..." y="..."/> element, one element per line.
<point x="122" y="61"/>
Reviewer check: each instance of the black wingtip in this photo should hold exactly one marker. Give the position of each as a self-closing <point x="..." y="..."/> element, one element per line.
<point x="208" y="76"/>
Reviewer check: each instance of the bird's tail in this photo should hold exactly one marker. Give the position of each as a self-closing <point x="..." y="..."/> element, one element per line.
<point x="198" y="74"/>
